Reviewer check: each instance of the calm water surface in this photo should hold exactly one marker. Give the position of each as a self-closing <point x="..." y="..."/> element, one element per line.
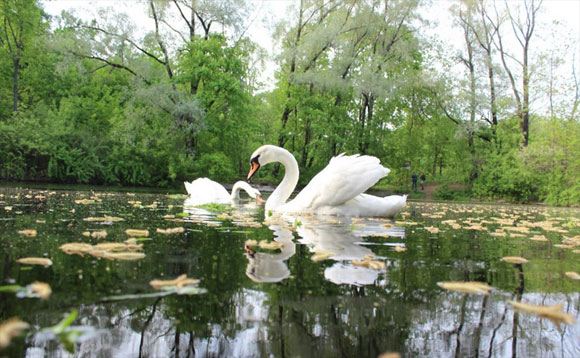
<point x="306" y="298"/>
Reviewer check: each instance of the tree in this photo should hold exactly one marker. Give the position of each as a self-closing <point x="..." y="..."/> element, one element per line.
<point x="20" y="23"/>
<point x="523" y="24"/>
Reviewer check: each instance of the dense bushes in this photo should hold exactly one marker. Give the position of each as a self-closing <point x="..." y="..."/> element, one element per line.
<point x="547" y="170"/>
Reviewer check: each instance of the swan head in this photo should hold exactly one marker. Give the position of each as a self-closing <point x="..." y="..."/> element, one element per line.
<point x="262" y="156"/>
<point x="254" y="193"/>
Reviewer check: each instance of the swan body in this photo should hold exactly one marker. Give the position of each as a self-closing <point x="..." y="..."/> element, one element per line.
<point x="205" y="191"/>
<point x="337" y="190"/>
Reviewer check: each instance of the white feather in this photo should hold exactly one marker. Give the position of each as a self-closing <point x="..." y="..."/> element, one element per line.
<point x="205" y="191"/>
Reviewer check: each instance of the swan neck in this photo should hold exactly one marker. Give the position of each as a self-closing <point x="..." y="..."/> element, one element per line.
<point x="239" y="185"/>
<point x="288" y="184"/>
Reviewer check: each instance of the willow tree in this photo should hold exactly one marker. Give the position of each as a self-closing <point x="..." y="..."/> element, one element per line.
<point x="343" y="63"/>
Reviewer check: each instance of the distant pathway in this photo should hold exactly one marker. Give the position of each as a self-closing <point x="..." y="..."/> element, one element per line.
<point x="429" y="190"/>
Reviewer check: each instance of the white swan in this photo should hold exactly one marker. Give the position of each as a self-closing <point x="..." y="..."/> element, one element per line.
<point x="205" y="191"/>
<point x="336" y="190"/>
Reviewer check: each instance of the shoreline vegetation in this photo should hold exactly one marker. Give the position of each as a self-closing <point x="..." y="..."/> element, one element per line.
<point x="99" y="103"/>
<point x="436" y="192"/>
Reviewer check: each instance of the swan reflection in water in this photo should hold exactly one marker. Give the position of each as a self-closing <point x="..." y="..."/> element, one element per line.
<point x="271" y="267"/>
<point x="329" y="238"/>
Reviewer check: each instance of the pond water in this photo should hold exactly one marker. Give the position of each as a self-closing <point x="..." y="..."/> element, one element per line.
<point x="331" y="287"/>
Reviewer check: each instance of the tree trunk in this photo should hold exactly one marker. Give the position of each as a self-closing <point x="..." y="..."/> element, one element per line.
<point x="15" y="83"/>
<point x="526" y="99"/>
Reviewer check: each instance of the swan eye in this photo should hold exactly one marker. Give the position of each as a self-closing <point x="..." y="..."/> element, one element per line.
<point x="255" y="160"/>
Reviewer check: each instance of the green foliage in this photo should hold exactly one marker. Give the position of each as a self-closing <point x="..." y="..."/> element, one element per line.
<point x="93" y="107"/>
<point x="216" y="166"/>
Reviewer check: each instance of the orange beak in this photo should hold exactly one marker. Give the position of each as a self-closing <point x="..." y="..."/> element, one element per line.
<point x="254" y="166"/>
<point x="259" y="200"/>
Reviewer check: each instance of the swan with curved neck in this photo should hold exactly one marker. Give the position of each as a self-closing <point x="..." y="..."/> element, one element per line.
<point x="205" y="191"/>
<point x="337" y="190"/>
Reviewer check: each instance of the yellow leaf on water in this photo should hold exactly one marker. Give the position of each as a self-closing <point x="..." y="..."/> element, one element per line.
<point x="118" y="246"/>
<point x="35" y="261"/>
<point x="539" y="238"/>
<point x="466" y="286"/>
<point x="514" y="260"/>
<point x="96" y="234"/>
<point x="272" y="245"/>
<point x="400" y="248"/>
<point x="251" y="243"/>
<point x="369" y="262"/>
<point x="562" y="246"/>
<point x="553" y="313"/>
<point x="104" y="219"/>
<point x="137" y="233"/>
<point x="41" y="289"/>
<point x="170" y="231"/>
<point x="180" y="281"/>
<point x="321" y="256"/>
<point x="76" y="248"/>
<point x="28" y="232"/>
<point x="573" y="275"/>
<point x="85" y="201"/>
<point x="9" y="329"/>
<point x="389" y="355"/>
<point x="432" y="229"/>
<point x="124" y="256"/>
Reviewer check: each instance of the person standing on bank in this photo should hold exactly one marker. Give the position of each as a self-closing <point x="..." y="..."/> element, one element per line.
<point x="414" y="178"/>
<point x="422" y="181"/>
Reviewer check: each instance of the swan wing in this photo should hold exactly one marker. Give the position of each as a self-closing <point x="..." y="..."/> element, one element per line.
<point x="205" y="191"/>
<point x="343" y="179"/>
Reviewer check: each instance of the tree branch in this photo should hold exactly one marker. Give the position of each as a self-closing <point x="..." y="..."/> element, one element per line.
<point x="125" y="38"/>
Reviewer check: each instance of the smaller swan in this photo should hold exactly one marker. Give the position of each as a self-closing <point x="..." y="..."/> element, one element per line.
<point x="204" y="191"/>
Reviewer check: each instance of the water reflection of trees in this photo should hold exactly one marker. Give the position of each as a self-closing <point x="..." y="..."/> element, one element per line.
<point x="307" y="312"/>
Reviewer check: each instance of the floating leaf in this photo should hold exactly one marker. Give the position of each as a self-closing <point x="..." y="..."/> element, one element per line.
<point x="368" y="262"/>
<point x="39" y="289"/>
<point x="109" y="250"/>
<point x="28" y="232"/>
<point x="124" y="256"/>
<point x="118" y="246"/>
<point x="170" y="231"/>
<point x="77" y="248"/>
<point x="321" y="256"/>
<point x="389" y="355"/>
<point x="466" y="286"/>
<point x="11" y="288"/>
<point x="177" y="196"/>
<point x="516" y="260"/>
<point x="272" y="245"/>
<point x="102" y="234"/>
<point x="137" y="233"/>
<point x="400" y="248"/>
<point x="539" y="238"/>
<point x="9" y="329"/>
<point x="251" y="243"/>
<point x="180" y="281"/>
<point x="553" y="313"/>
<point x="432" y="229"/>
<point x="181" y="215"/>
<point x="104" y="219"/>
<point x="85" y="201"/>
<point x="573" y="275"/>
<point x="35" y="261"/>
